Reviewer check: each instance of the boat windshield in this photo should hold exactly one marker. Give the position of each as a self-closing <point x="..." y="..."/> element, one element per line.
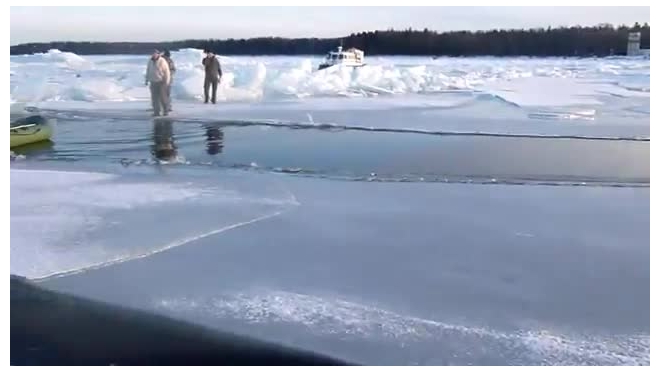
<point x="334" y="57"/>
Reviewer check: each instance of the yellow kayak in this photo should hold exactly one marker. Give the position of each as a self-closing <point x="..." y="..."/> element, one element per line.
<point x="30" y="130"/>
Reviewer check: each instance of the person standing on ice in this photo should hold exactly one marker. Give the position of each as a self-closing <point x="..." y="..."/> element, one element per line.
<point x="212" y="75"/>
<point x="170" y="63"/>
<point x="158" y="78"/>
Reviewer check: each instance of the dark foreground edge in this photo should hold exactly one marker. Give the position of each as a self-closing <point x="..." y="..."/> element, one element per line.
<point x="49" y="328"/>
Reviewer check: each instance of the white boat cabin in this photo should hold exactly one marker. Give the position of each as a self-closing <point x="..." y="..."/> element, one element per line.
<point x="351" y="57"/>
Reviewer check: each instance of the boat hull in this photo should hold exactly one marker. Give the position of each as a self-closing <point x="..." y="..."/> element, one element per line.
<point x="30" y="130"/>
<point x="325" y="65"/>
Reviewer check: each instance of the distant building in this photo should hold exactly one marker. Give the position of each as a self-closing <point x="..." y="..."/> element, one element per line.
<point x="634" y="41"/>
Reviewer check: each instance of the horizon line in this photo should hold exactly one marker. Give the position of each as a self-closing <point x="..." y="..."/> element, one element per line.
<point x="340" y="37"/>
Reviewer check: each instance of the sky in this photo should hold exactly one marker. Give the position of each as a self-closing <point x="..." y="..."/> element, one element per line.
<point x="96" y="23"/>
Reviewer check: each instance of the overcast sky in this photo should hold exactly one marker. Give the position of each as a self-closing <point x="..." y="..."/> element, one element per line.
<point x="41" y="24"/>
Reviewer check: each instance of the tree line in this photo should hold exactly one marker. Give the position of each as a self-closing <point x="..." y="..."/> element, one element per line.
<point x="600" y="40"/>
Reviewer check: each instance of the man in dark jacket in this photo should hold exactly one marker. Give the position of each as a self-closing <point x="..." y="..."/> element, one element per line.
<point x="212" y="75"/>
<point x="170" y="63"/>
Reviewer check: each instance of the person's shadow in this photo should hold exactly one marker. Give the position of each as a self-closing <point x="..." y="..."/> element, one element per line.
<point x="163" y="147"/>
<point x="214" y="139"/>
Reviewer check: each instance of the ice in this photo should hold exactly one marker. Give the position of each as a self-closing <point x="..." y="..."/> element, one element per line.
<point x="327" y="316"/>
<point x="66" y="222"/>
<point x="274" y="78"/>
<point x="384" y="272"/>
<point x="449" y="256"/>
<point x="545" y="91"/>
<point x="67" y="59"/>
<point x="392" y="273"/>
<point x="455" y="113"/>
<point x="592" y="98"/>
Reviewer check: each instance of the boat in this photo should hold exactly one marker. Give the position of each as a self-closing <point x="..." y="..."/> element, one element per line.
<point x="28" y="130"/>
<point x="351" y="58"/>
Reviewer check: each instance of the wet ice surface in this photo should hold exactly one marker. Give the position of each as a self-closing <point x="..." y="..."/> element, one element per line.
<point x="415" y="211"/>
<point x="448" y="274"/>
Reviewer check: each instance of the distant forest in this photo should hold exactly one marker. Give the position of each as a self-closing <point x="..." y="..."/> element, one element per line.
<point x="601" y="40"/>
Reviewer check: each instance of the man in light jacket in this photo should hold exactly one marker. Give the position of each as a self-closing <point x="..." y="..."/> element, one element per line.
<point x="158" y="78"/>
